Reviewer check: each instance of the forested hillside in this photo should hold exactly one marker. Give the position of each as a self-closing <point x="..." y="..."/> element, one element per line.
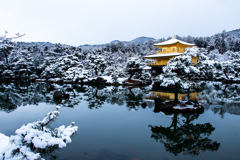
<point x="44" y="60"/>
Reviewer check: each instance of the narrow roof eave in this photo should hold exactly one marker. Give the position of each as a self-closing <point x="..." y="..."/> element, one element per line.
<point x="163" y="55"/>
<point x="173" y="41"/>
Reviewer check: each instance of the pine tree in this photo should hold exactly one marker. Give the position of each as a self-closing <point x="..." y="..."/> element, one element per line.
<point x="133" y="66"/>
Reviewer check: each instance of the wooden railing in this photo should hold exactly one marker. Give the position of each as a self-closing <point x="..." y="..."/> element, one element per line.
<point x="178" y="50"/>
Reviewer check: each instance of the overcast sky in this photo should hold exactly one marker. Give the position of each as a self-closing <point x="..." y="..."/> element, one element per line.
<point x="78" y="22"/>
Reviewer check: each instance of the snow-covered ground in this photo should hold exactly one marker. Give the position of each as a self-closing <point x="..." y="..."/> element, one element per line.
<point x="109" y="79"/>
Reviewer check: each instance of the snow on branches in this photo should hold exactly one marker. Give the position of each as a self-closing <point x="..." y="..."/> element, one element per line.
<point x="178" y="72"/>
<point x="36" y="137"/>
<point x="134" y="65"/>
<point x="66" y="67"/>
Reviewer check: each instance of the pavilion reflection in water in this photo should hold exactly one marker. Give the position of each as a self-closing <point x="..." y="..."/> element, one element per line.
<point x="171" y="96"/>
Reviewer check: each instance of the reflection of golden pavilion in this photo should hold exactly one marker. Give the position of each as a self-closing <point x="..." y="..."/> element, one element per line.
<point x="171" y="96"/>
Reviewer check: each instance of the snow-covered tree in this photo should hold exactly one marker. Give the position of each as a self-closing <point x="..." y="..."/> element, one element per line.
<point x="172" y="81"/>
<point x="177" y="74"/>
<point x="182" y="65"/>
<point x="67" y="67"/>
<point x="96" y="63"/>
<point x="216" y="66"/>
<point x="5" y="50"/>
<point x="134" y="65"/>
<point x="6" y="46"/>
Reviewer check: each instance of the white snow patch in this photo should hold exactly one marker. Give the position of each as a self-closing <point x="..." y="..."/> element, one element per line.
<point x="4" y="141"/>
<point x="108" y="78"/>
<point x="182" y="108"/>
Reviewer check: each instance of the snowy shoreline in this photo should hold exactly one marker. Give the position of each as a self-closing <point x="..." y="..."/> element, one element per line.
<point x="101" y="80"/>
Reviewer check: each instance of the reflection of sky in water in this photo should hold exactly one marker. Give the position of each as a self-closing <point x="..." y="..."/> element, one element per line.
<point x="21" y="116"/>
<point x="117" y="132"/>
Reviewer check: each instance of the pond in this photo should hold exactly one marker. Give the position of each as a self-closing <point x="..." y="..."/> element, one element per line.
<point x="115" y="125"/>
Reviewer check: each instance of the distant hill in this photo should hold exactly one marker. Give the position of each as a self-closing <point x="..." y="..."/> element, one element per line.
<point x="235" y="33"/>
<point x="138" y="40"/>
<point x="141" y="40"/>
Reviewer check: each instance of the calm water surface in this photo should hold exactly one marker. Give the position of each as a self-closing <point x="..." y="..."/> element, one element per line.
<point x="113" y="125"/>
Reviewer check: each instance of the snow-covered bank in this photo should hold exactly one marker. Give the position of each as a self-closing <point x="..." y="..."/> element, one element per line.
<point x="103" y="80"/>
<point x="107" y="78"/>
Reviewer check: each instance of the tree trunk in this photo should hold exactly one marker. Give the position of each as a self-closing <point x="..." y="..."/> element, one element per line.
<point x="188" y="94"/>
<point x="176" y="95"/>
<point x="174" y="121"/>
<point x="131" y="76"/>
<point x="96" y="71"/>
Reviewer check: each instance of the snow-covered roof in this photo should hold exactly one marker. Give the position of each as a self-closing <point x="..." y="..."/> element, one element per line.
<point x="163" y="55"/>
<point x="173" y="41"/>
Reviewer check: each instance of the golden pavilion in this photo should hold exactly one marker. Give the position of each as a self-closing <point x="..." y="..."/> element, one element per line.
<point x="168" y="49"/>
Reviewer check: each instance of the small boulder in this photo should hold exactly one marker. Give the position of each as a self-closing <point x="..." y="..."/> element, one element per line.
<point x="57" y="94"/>
<point x="66" y="96"/>
<point x="144" y="105"/>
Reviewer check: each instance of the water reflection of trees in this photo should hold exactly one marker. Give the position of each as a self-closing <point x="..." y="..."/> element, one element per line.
<point x="221" y="98"/>
<point x="132" y="97"/>
<point x="183" y="136"/>
<point x="13" y="95"/>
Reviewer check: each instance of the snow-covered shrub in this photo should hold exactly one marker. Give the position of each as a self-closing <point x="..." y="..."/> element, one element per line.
<point x="173" y="81"/>
<point x="6" y="46"/>
<point x="72" y="73"/>
<point x="5" y="49"/>
<point x="33" y="76"/>
<point x="215" y="70"/>
<point x="36" y="137"/>
<point x="197" y="52"/>
<point x="96" y="64"/>
<point x="109" y="70"/>
<point x="226" y="56"/>
<point x="67" y="67"/>
<point x="8" y="74"/>
<point x="177" y="74"/>
<point x="216" y="66"/>
<point x="182" y="65"/>
<point x="114" y="76"/>
<point x="145" y="75"/>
